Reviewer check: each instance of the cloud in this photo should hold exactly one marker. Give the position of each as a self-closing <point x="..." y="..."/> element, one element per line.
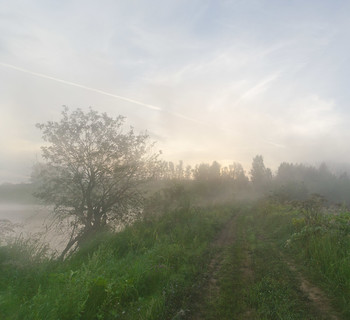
<point x="312" y="116"/>
<point x="258" y="88"/>
<point x="212" y="81"/>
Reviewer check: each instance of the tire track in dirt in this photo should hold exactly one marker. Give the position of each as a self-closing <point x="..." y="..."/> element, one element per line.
<point x="247" y="272"/>
<point x="210" y="290"/>
<point x="315" y="295"/>
<point x="318" y="299"/>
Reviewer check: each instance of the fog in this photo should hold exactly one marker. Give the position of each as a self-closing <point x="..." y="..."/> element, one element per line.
<point x="174" y="159"/>
<point x="222" y="80"/>
<point x="29" y="221"/>
<point x="23" y="213"/>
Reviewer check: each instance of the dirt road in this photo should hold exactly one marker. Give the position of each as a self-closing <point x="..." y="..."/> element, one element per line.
<point x="249" y="277"/>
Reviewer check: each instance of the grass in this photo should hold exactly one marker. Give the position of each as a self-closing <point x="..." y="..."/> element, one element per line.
<point x="318" y="243"/>
<point x="231" y="301"/>
<point x="323" y="249"/>
<point x="155" y="268"/>
<point x="144" y="272"/>
<point x="255" y="281"/>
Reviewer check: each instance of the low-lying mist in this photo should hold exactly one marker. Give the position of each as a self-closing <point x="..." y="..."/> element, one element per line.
<point x="178" y="186"/>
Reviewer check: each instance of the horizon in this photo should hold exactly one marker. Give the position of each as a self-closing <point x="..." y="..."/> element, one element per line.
<point x="337" y="169"/>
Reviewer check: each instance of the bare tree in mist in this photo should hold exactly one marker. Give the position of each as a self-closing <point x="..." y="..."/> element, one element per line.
<point x="92" y="171"/>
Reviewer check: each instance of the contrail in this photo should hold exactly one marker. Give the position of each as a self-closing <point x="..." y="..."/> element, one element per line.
<point x="149" y="106"/>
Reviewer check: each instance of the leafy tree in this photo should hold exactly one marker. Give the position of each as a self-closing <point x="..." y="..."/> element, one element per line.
<point x="260" y="175"/>
<point x="201" y="172"/>
<point x="171" y="168"/>
<point x="206" y="172"/>
<point x="238" y="173"/>
<point x="215" y="171"/>
<point x="180" y="170"/>
<point x="93" y="171"/>
<point x="188" y="172"/>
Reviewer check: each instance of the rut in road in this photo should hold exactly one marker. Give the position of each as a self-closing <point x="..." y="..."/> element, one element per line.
<point x="316" y="296"/>
<point x="250" y="267"/>
<point x="226" y="237"/>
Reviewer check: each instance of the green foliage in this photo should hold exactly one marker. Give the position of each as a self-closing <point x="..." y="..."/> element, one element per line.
<point x="324" y="248"/>
<point x="174" y="196"/>
<point x="311" y="208"/>
<point x="93" y="171"/>
<point x="150" y="269"/>
<point x="317" y="238"/>
<point x="232" y="301"/>
<point x="298" y="181"/>
<point x="261" y="176"/>
<point x="273" y="299"/>
<point x="254" y="281"/>
<point x="143" y="272"/>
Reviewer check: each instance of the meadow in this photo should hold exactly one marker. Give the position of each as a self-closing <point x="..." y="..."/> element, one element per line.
<point x="192" y="258"/>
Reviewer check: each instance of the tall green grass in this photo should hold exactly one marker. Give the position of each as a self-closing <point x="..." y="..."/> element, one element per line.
<point x="254" y="281"/>
<point x="143" y="272"/>
<point x="272" y="291"/>
<point x="324" y="249"/>
<point x="318" y="239"/>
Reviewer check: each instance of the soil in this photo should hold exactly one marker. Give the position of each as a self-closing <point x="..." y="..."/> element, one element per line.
<point x="211" y="289"/>
<point x="316" y="296"/>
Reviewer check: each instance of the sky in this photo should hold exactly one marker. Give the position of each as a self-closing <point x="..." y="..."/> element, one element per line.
<point x="209" y="80"/>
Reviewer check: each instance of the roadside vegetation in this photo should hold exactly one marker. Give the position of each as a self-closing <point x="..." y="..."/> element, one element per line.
<point x="149" y="239"/>
<point x="144" y="272"/>
<point x="275" y="261"/>
<point x="285" y="263"/>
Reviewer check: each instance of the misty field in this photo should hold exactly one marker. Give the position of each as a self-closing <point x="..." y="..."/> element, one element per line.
<point x="193" y="255"/>
<point x="174" y="160"/>
<point x="117" y="233"/>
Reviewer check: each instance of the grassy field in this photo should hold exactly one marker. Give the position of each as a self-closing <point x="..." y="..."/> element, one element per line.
<point x="144" y="272"/>
<point x="280" y="267"/>
<point x="260" y="260"/>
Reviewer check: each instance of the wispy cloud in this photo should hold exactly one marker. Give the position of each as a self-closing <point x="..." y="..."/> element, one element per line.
<point x="149" y="106"/>
<point x="258" y="88"/>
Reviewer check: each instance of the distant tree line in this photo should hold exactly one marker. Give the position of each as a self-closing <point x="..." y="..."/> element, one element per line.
<point x="299" y="181"/>
<point x="290" y="182"/>
<point x="201" y="172"/>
